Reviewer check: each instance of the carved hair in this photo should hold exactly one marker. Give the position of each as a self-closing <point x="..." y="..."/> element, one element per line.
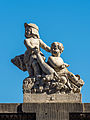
<point x="31" y="25"/>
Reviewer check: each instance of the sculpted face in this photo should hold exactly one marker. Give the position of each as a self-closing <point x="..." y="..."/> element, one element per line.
<point x="31" y="30"/>
<point x="28" y="31"/>
<point x="56" y="49"/>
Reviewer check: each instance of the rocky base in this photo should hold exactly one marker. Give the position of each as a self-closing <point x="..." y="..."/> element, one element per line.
<point x="45" y="98"/>
<point x="47" y="84"/>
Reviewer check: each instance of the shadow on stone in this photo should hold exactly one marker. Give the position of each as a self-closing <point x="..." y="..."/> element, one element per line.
<point x="19" y="109"/>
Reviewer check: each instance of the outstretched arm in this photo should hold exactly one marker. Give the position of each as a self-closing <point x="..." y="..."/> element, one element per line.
<point x="44" y="46"/>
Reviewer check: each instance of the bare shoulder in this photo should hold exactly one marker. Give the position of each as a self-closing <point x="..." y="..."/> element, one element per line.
<point x="26" y="40"/>
<point x="40" y="40"/>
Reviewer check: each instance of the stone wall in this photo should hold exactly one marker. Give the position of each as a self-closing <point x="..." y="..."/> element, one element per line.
<point x="47" y="111"/>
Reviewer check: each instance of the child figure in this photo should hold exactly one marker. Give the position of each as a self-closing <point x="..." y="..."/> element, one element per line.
<point x="56" y="66"/>
<point x="33" y="42"/>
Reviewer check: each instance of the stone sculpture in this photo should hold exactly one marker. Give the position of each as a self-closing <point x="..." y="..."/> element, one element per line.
<point x="45" y="77"/>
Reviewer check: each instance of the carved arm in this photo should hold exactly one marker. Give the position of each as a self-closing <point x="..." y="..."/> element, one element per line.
<point x="44" y="46"/>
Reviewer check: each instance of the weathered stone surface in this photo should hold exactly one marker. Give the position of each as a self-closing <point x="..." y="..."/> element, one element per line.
<point x="86" y="107"/>
<point x="44" y="98"/>
<point x="9" y="107"/>
<point x="52" y="111"/>
<point x="47" y="111"/>
<point x="45" y="77"/>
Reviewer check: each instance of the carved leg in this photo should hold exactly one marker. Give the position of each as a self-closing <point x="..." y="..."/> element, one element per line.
<point x="36" y="68"/>
<point x="30" y="70"/>
<point x="44" y="66"/>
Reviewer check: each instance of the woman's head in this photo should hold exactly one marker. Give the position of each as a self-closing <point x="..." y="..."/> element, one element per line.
<point x="56" y="49"/>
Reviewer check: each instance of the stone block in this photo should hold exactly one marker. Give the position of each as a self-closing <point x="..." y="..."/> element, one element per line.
<point x="45" y="98"/>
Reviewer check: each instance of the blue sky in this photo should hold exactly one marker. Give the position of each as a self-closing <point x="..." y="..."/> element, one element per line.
<point x="65" y="21"/>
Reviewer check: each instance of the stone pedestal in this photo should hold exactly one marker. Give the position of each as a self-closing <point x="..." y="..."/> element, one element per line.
<point x="52" y="98"/>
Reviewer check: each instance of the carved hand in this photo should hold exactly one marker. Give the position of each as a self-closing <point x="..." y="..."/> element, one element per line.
<point x="35" y="49"/>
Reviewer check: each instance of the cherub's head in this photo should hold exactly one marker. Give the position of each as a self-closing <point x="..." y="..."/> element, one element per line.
<point x="56" y="49"/>
<point x="31" y="30"/>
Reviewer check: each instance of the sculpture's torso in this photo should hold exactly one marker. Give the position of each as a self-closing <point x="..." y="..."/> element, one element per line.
<point x="34" y="42"/>
<point x="57" y="61"/>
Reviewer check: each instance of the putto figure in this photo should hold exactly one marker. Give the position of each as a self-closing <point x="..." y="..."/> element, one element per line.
<point x="45" y="77"/>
